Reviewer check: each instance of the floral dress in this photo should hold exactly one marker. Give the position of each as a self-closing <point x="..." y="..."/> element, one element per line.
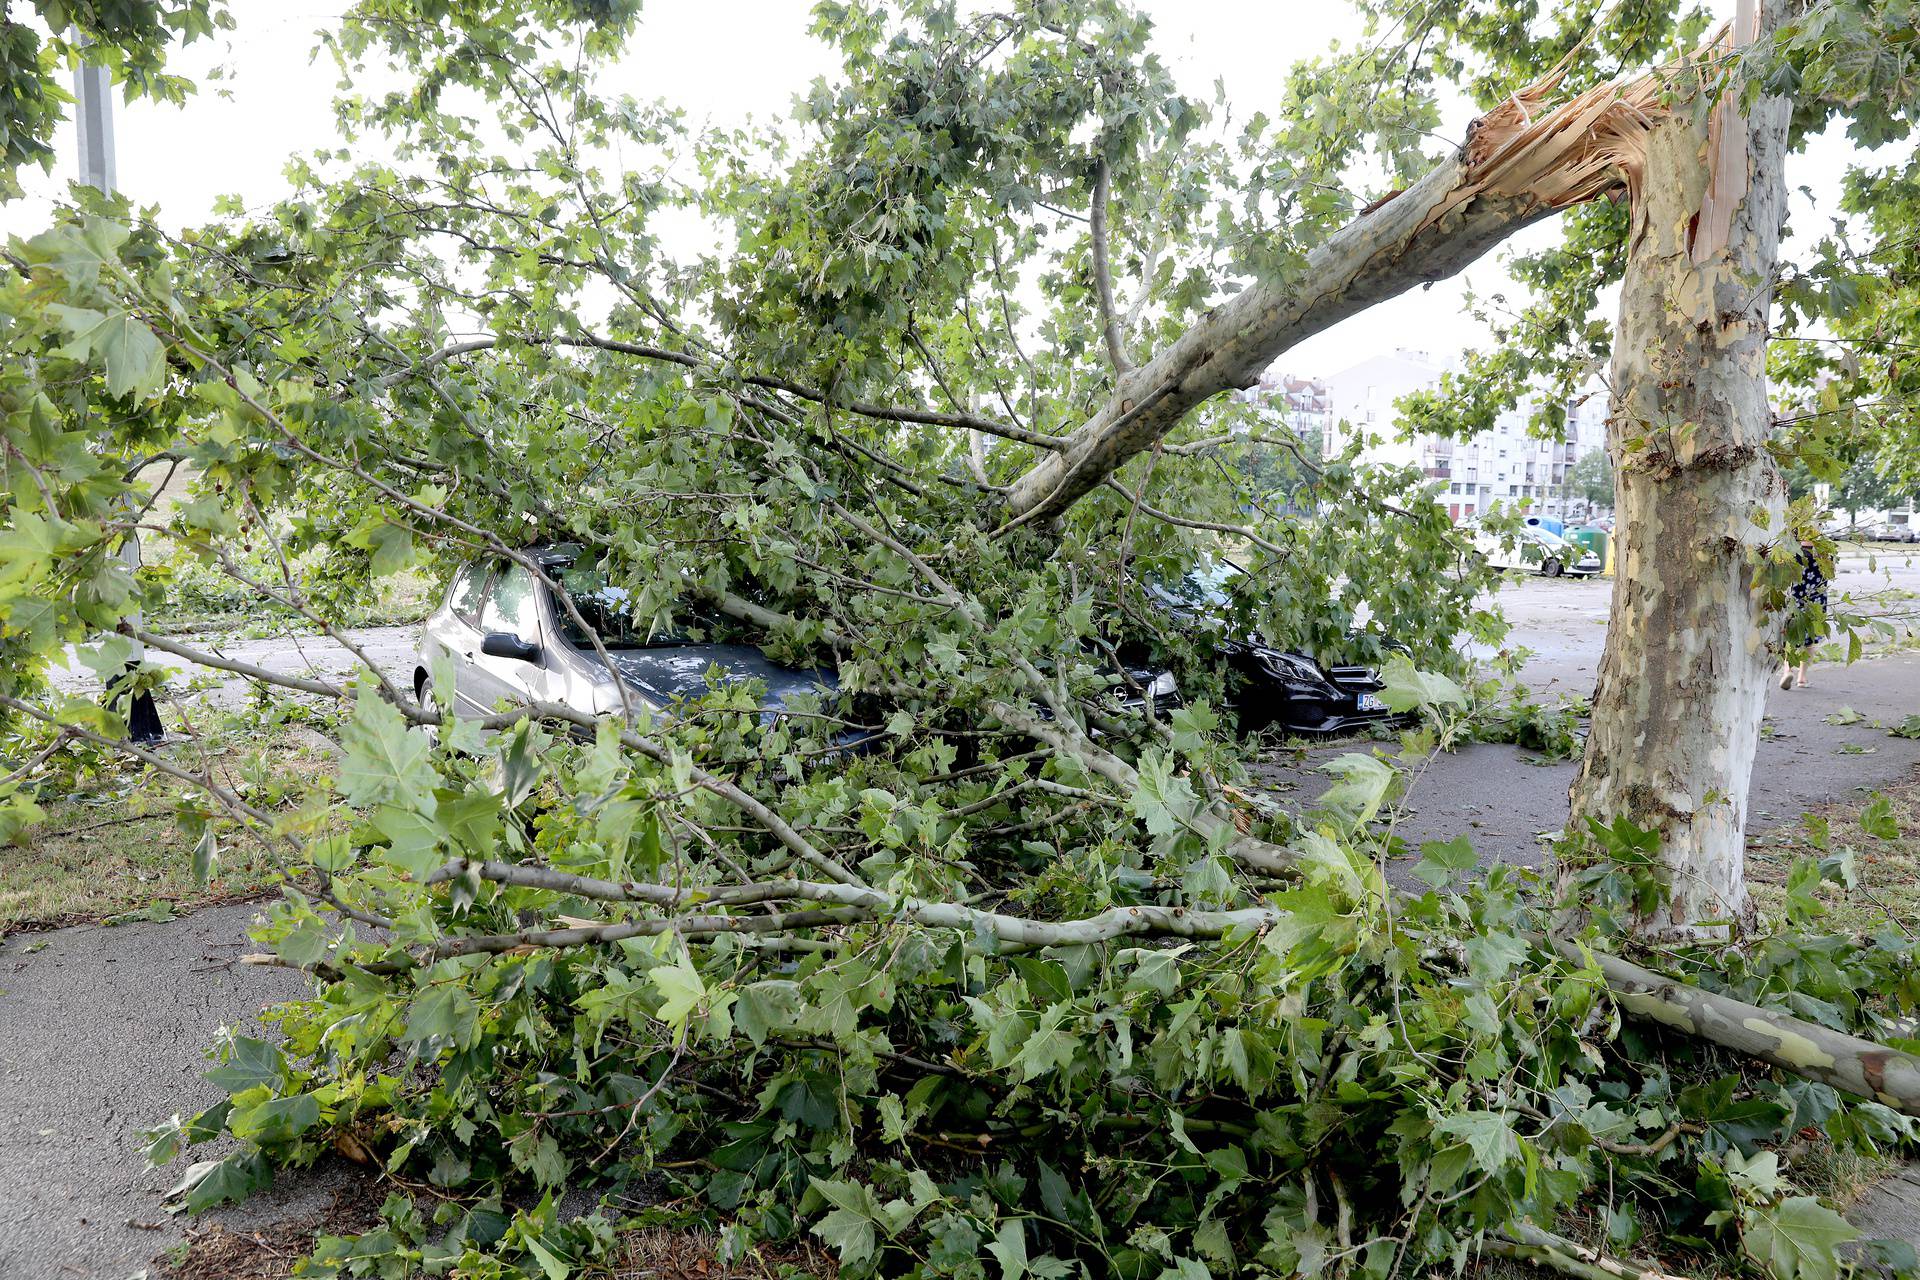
<point x="1811" y="590"/>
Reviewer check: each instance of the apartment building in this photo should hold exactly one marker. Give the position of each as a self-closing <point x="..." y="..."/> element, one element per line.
<point x="1302" y="403"/>
<point x="1504" y="466"/>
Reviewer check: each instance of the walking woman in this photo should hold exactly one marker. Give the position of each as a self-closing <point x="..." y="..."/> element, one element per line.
<point x="1810" y="591"/>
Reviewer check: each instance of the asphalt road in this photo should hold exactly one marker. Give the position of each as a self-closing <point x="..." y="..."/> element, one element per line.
<point x="103" y="1031"/>
<point x="1506" y="798"/>
<point x="102" y="1035"/>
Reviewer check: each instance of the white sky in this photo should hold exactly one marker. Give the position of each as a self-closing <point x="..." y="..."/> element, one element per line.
<point x="724" y="60"/>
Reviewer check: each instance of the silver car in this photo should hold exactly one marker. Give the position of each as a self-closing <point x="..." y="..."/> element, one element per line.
<point x="510" y="642"/>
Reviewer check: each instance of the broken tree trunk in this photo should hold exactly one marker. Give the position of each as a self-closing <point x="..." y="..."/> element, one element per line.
<point x="1522" y="162"/>
<point x="1682" y="685"/>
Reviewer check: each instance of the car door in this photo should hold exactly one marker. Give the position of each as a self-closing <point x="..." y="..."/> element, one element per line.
<point x="456" y="632"/>
<point x="512" y="605"/>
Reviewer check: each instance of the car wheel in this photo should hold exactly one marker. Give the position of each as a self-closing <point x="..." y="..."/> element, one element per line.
<point x="1552" y="567"/>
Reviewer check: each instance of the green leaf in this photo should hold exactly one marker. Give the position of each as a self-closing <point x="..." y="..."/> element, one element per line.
<point x="413" y="840"/>
<point x="1049" y="1048"/>
<point x="213" y="1182"/>
<point x="1407" y="688"/>
<point x="1877" y="818"/>
<point x="763" y="1007"/>
<point x="1163" y="802"/>
<point x="206" y="857"/>
<point x="1441" y="861"/>
<point x="1486" y="1134"/>
<point x="1191" y="726"/>
<point x="443" y="1010"/>
<point x="274" y="1120"/>
<point x="249" y="1064"/>
<point x="551" y="1265"/>
<point x="1364" y="782"/>
<point x="848" y="1229"/>
<point x="681" y="990"/>
<point x="385" y="763"/>
<point x="1803" y="884"/>
<point x="1797" y="1239"/>
<point x="134" y="359"/>
<point x="1010" y="1247"/>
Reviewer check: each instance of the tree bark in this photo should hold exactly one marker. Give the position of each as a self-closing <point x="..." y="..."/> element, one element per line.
<point x="1682" y="685"/>
<point x="1522" y="162"/>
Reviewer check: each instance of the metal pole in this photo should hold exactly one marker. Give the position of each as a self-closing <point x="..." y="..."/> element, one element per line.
<point x="93" y="127"/>
<point x="93" y="121"/>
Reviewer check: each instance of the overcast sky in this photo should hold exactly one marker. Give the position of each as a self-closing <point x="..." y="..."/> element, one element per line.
<point x="724" y="60"/>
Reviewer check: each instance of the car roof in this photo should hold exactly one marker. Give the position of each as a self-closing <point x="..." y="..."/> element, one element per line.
<point x="553" y="555"/>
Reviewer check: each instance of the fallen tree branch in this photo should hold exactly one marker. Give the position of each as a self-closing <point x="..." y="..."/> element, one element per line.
<point x="1525" y="1242"/>
<point x="1522" y="162"/>
<point x="1848" y="1063"/>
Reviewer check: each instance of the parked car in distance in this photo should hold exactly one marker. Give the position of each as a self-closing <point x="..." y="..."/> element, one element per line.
<point x="1896" y="528"/>
<point x="1538" y="551"/>
<point x="1269" y="687"/>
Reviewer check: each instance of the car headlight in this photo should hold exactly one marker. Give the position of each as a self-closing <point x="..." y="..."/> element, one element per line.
<point x="1162" y="686"/>
<point x="1288" y="666"/>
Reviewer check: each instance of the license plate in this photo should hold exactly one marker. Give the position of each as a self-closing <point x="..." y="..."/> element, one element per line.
<point x="1371" y="702"/>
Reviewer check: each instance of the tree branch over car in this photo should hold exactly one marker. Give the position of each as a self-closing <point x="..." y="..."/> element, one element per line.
<point x="969" y="938"/>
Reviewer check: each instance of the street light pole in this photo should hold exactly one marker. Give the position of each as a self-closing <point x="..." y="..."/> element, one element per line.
<point x="93" y="121"/>
<point x="93" y="125"/>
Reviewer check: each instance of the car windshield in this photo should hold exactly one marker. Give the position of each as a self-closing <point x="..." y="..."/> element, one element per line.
<point x="609" y="611"/>
<point x="1205" y="586"/>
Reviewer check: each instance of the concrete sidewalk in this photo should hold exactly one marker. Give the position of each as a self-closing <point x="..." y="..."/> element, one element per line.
<point x="103" y="1033"/>
<point x="1506" y="798"/>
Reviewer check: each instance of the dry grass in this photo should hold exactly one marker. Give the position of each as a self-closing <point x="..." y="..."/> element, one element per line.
<point x="215" y="1252"/>
<point x="110" y="845"/>
<point x="1889" y="888"/>
<point x="670" y="1253"/>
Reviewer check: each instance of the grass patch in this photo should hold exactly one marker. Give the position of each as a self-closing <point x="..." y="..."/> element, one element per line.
<point x="110" y="847"/>
<point x="1884" y="840"/>
<point x="199" y="600"/>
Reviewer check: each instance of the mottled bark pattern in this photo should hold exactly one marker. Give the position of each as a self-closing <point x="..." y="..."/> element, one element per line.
<point x="1848" y="1063"/>
<point x="1683" y="681"/>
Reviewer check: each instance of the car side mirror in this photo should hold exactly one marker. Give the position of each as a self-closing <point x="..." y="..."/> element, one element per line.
<point x="505" y="644"/>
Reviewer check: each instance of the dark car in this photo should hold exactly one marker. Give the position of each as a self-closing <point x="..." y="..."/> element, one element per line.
<point x="1268" y="687"/>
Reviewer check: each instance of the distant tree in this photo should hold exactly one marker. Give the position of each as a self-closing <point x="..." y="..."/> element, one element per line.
<point x="1592" y="479"/>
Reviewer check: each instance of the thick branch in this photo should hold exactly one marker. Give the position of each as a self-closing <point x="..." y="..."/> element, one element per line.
<point x="1103" y="273"/>
<point x="1848" y="1063"/>
<point x="1521" y="163"/>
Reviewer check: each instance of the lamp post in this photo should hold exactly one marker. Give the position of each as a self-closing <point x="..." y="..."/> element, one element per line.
<point x="93" y="126"/>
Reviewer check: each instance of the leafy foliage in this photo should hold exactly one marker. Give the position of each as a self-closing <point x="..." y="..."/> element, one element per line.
<point x="1026" y="984"/>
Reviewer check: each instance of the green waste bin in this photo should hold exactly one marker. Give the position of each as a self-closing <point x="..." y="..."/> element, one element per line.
<point x="1594" y="540"/>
